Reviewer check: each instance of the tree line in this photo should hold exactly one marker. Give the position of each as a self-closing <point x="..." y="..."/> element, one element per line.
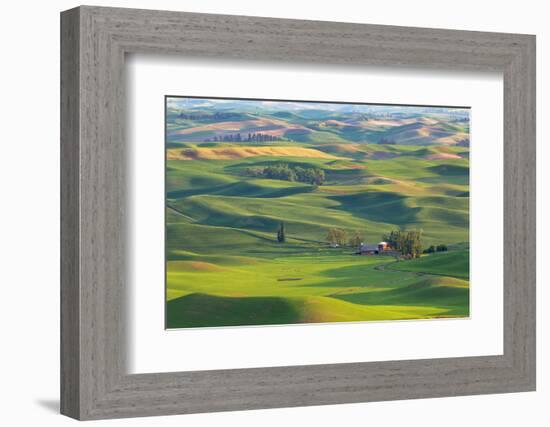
<point x="251" y="137"/>
<point x="284" y="172"/>
<point x="407" y="242"/>
<point x="209" y="116"/>
<point x="439" y="248"/>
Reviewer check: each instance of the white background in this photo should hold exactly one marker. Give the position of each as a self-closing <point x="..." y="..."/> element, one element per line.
<point x="153" y="349"/>
<point x="29" y="233"/>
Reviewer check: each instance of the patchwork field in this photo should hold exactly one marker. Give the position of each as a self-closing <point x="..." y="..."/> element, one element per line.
<point x="376" y="172"/>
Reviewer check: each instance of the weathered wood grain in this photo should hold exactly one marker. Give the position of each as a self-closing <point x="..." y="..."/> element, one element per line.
<point x="94" y="381"/>
<point x="70" y="220"/>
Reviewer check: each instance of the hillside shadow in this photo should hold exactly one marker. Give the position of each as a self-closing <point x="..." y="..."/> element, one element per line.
<point x="243" y="189"/>
<point x="455" y="300"/>
<point x="359" y="276"/>
<point x="448" y="174"/>
<point x="203" y="310"/>
<point x="450" y="170"/>
<point x="378" y="206"/>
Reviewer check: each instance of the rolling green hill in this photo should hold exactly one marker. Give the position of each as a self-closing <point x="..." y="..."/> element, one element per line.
<point x="225" y="266"/>
<point x="453" y="264"/>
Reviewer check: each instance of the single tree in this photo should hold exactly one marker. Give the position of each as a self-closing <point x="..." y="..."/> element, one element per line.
<point x="343" y="237"/>
<point x="331" y="236"/>
<point x="281" y="233"/>
<point x="356" y="239"/>
<point x="415" y="238"/>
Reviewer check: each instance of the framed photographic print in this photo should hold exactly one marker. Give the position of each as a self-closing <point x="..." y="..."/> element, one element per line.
<point x="263" y="213"/>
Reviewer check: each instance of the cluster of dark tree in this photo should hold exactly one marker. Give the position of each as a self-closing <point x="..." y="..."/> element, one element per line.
<point x="408" y="242"/>
<point x="284" y="172"/>
<point x="209" y="116"/>
<point x="237" y="137"/>
<point x="387" y="141"/>
<point x="438" y="248"/>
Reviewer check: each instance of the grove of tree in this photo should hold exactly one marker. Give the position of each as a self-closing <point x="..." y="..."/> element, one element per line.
<point x="408" y="242"/>
<point x="337" y="236"/>
<point x="284" y="172"/>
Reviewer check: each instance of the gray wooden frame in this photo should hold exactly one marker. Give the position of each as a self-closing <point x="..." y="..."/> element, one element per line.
<point x="94" y="382"/>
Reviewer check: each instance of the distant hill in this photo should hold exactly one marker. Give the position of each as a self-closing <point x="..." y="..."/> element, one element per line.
<point x="204" y="122"/>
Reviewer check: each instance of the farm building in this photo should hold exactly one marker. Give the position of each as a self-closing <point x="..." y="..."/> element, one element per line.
<point x="382" y="248"/>
<point x="365" y="249"/>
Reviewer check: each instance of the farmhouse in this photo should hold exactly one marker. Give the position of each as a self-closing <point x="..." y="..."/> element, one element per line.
<point x="382" y="248"/>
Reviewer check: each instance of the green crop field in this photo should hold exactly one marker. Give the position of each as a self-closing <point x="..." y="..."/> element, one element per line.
<point x="382" y="170"/>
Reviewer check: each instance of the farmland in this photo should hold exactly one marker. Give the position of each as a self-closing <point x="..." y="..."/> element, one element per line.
<point x="382" y="170"/>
